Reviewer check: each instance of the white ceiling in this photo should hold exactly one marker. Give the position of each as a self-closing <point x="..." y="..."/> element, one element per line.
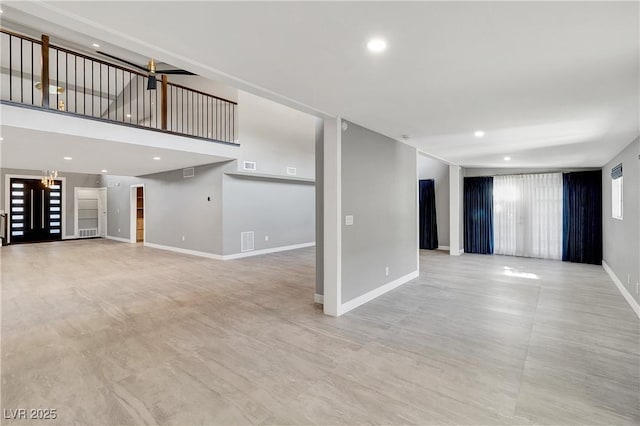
<point x="551" y="83"/>
<point x="41" y="150"/>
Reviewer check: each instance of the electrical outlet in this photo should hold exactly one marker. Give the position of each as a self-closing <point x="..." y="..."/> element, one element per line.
<point x="348" y="220"/>
<point x="266" y="238"/>
<point x="386" y="271"/>
<point x="183" y="238"/>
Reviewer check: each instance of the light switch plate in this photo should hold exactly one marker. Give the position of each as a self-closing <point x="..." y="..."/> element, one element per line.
<point x="348" y="220"/>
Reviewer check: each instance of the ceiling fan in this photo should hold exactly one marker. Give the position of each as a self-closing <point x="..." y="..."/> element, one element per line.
<point x="150" y="68"/>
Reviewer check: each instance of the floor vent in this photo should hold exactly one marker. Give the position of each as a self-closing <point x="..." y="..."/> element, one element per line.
<point x="87" y="233"/>
<point x="189" y="172"/>
<point x="246" y="241"/>
<point x="249" y="165"/>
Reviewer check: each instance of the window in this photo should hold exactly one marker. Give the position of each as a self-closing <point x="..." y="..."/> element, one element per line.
<point x="616" y="192"/>
<point x="616" y="198"/>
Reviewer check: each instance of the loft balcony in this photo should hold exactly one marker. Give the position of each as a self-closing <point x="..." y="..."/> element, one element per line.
<point x="92" y="88"/>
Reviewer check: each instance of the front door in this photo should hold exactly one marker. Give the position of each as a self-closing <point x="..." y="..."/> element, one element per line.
<point x="35" y="211"/>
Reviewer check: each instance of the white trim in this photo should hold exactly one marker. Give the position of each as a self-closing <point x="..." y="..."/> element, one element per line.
<point x="133" y="206"/>
<point x="332" y="214"/>
<point x="318" y="298"/>
<point x="101" y="209"/>
<point x="7" y="203"/>
<point x="266" y="251"/>
<point x="122" y="240"/>
<point x="224" y="257"/>
<point x="361" y="300"/>
<point x="625" y="293"/>
<point x="443" y="248"/>
<point x="184" y="251"/>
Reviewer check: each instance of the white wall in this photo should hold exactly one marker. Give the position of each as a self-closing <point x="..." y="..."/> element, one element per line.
<point x="275" y="136"/>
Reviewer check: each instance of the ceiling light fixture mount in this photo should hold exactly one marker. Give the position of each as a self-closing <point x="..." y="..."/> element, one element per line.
<point x="156" y="158"/>
<point x="68" y="158"/>
<point x="376" y="45"/>
<point x="479" y="133"/>
<point x="96" y="45"/>
<point x="507" y="158"/>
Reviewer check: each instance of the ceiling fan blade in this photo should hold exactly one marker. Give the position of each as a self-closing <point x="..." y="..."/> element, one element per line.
<point x="181" y="72"/>
<point x="124" y="61"/>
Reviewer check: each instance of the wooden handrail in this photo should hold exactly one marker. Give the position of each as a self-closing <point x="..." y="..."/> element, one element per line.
<point x="24" y="37"/>
<point x="179" y="86"/>
<point x="197" y="117"/>
<point x="99" y="61"/>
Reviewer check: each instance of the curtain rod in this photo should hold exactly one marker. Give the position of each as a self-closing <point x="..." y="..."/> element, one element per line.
<point x="538" y="173"/>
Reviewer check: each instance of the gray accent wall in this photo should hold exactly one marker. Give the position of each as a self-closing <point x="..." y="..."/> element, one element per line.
<point x="280" y="213"/>
<point x="430" y="168"/>
<point x="175" y="207"/>
<point x="379" y="188"/>
<point x="211" y="209"/>
<point x="73" y="180"/>
<point x="621" y="238"/>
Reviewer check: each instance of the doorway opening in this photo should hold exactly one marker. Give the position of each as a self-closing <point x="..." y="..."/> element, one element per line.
<point x="137" y="225"/>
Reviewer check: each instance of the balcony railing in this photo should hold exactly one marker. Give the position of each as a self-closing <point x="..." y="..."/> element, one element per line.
<point x="93" y="88"/>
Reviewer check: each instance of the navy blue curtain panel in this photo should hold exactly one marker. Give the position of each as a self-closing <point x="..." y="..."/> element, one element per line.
<point x="582" y="217"/>
<point x="478" y="215"/>
<point x="428" y="225"/>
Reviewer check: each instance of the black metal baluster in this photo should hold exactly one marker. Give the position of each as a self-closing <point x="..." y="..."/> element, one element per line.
<point x="57" y="78"/>
<point x="130" y="99"/>
<point x="10" y="69"/>
<point x="32" y="72"/>
<point x="93" y="101"/>
<point x="115" y="90"/>
<point x="66" y="80"/>
<point x="21" y="78"/>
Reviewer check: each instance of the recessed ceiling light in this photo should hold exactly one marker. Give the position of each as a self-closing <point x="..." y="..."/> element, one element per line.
<point x="95" y="45"/>
<point x="156" y="158"/>
<point x="128" y="115"/>
<point x="1" y="138"/>
<point x="68" y="158"/>
<point x="507" y="158"/>
<point x="103" y="171"/>
<point x="479" y="134"/>
<point x="376" y="45"/>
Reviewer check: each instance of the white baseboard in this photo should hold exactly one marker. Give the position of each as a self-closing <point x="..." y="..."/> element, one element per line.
<point x="625" y="293"/>
<point x="318" y="298"/>
<point x="367" y="297"/>
<point x="266" y="251"/>
<point x="443" y="247"/>
<point x="184" y="251"/>
<point x="122" y="240"/>
<point x="229" y="256"/>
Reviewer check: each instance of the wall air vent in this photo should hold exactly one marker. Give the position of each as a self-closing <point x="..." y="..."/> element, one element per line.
<point x="246" y="241"/>
<point x="189" y="172"/>
<point x="291" y="171"/>
<point x="87" y="233"/>
<point x="249" y="165"/>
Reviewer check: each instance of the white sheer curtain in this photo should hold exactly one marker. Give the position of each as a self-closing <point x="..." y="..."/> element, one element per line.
<point x="527" y="215"/>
